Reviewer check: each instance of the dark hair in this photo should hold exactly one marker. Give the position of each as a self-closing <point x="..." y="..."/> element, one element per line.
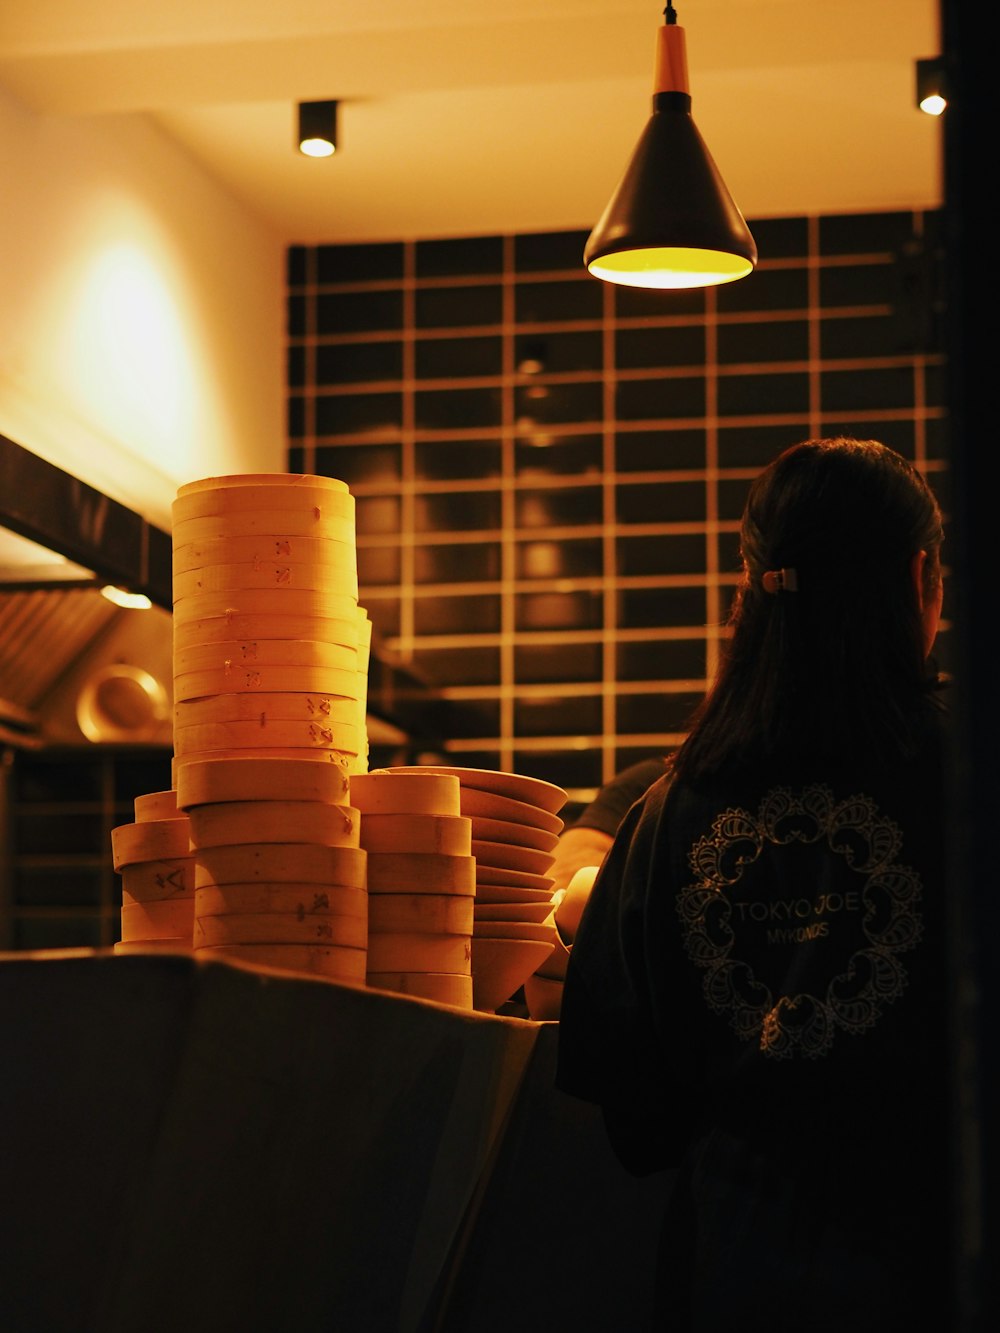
<point x="839" y="661"/>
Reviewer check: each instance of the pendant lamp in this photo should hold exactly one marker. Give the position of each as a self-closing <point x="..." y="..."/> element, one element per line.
<point x="671" y="222"/>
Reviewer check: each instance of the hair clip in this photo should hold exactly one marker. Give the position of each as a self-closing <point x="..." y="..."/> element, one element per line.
<point x="780" y="580"/>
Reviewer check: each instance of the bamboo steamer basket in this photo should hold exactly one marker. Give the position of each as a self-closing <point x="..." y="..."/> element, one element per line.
<point x="413" y="951"/>
<point x="280" y="705"/>
<point x="450" y="835"/>
<point x="406" y="793"/>
<point x="226" y="495"/>
<point x="333" y="962"/>
<point x="170" y="918"/>
<point x="156" y="805"/>
<point x="150" y="840"/>
<point x="244" y="679"/>
<point x="226" y="654"/>
<point x="266" y="576"/>
<point x="154" y="881"/>
<point x="311" y="603"/>
<point x="450" y="988"/>
<point x="263" y="546"/>
<point x="273" y="627"/>
<point x="233" y="823"/>
<point x="287" y="524"/>
<point x="346" y="932"/>
<point x="214" y="781"/>
<point x="300" y="899"/>
<point x="341" y="758"/>
<point x="425" y="913"/>
<point x="420" y="872"/>
<point x="279" y="864"/>
<point x="342" y="737"/>
<point x="303" y="481"/>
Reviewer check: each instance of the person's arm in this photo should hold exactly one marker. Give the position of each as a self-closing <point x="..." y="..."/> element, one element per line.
<point x="577" y="858"/>
<point x="586" y="842"/>
<point x="570" y="902"/>
<point x="579" y="846"/>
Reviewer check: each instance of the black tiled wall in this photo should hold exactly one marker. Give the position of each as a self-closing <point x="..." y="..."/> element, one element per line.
<point x="549" y="474"/>
<point x="58" y="872"/>
<point x="549" y="471"/>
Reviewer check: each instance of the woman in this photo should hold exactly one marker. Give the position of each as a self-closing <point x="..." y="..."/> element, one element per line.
<point x="756" y="994"/>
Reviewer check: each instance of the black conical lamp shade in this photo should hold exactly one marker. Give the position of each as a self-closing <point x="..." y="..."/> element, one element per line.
<point x="671" y="222"/>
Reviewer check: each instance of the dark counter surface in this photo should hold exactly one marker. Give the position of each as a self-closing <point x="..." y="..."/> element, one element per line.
<point x="209" y="1146"/>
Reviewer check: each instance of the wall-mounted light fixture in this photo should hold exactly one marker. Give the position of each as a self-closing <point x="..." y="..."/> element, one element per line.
<point x="932" y="85"/>
<point x="129" y="601"/>
<point x="317" y="135"/>
<point x="671" y="222"/>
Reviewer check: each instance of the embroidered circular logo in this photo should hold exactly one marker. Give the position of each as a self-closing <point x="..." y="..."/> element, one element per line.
<point x="797" y="916"/>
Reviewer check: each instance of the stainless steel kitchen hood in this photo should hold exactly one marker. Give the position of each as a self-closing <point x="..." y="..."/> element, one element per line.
<point x="61" y="541"/>
<point x="75" y="669"/>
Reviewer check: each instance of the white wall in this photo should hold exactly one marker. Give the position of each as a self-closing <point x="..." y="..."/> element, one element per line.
<point x="141" y="310"/>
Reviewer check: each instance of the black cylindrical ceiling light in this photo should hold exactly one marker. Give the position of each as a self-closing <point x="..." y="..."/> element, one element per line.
<point x="932" y="86"/>
<point x="671" y="222"/>
<point x="317" y="128"/>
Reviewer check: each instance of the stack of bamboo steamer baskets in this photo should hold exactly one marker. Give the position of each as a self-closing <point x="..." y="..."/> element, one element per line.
<point x="270" y="665"/>
<point x="279" y="875"/>
<point x="266" y="623"/>
<point x="421" y="884"/>
<point x="154" y="858"/>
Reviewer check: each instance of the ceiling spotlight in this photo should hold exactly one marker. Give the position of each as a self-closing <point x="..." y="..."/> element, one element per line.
<point x="671" y="222"/>
<point x="317" y="128"/>
<point x="932" y="88"/>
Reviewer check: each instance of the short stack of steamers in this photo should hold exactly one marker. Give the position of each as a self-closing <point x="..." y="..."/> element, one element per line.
<point x="277" y="845"/>
<point x="421" y="884"/>
<point x="515" y="827"/>
<point x="153" y="857"/>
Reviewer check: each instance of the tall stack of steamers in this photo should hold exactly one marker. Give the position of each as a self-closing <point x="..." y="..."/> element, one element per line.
<point x="257" y="853"/>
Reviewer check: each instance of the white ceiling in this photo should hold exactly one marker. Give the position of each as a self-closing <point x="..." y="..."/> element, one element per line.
<point x="465" y="118"/>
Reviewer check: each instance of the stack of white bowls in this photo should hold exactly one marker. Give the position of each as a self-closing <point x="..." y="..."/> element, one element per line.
<point x="153" y="857"/>
<point x="421" y="884"/>
<point x="515" y="828"/>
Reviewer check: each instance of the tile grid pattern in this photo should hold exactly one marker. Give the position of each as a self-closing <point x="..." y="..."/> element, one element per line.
<point x="570" y="595"/>
<point x="549" y="470"/>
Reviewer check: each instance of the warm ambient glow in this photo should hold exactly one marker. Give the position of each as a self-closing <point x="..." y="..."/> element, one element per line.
<point x="670" y="268"/>
<point x="131" y="601"/>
